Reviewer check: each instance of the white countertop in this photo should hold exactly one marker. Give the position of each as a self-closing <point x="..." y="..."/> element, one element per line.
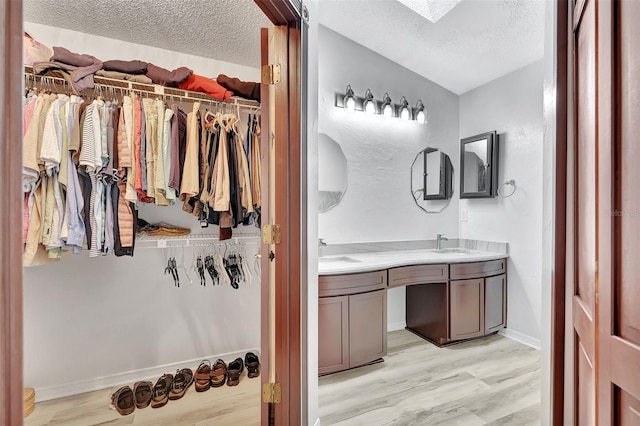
<point x="366" y="262"/>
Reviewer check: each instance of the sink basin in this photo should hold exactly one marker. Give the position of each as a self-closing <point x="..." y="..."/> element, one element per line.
<point x="339" y="259"/>
<point x="454" y="250"/>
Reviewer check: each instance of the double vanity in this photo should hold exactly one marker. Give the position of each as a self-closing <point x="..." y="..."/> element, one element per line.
<point x="452" y="294"/>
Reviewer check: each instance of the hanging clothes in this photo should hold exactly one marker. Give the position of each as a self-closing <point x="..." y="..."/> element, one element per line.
<point x="87" y="164"/>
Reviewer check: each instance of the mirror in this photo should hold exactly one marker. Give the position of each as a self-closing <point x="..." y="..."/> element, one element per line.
<point x="479" y="166"/>
<point x="432" y="180"/>
<point x="332" y="173"/>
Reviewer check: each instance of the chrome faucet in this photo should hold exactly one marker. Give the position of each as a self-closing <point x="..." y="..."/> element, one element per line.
<point x="439" y="239"/>
<point x="321" y="243"/>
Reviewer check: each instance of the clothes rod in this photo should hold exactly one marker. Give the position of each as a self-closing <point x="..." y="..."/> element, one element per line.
<point x="152" y="90"/>
<point x="192" y="240"/>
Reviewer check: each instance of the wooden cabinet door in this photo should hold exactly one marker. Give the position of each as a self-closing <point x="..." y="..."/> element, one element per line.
<point x="466" y="299"/>
<point x="367" y="327"/>
<point x="495" y="307"/>
<point x="333" y="334"/>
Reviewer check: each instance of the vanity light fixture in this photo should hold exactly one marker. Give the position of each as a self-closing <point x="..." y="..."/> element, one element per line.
<point x="420" y="116"/>
<point x="369" y="103"/>
<point x="371" y="106"/>
<point x="349" y="99"/>
<point x="405" y="113"/>
<point x="387" y="107"/>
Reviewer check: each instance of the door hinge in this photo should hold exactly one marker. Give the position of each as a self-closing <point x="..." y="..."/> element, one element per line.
<point x="598" y="298"/>
<point x="271" y="393"/>
<point x="271" y="74"/>
<point x="271" y="234"/>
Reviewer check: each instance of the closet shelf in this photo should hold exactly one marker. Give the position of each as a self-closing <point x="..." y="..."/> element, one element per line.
<point x="192" y="240"/>
<point x="151" y="90"/>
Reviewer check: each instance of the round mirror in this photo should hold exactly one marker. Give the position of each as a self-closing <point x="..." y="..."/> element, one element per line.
<point x="432" y="180"/>
<point x="332" y="173"/>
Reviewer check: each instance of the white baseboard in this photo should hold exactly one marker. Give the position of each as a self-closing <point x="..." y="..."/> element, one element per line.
<point x="121" y="379"/>
<point x="521" y="337"/>
<point x="397" y="325"/>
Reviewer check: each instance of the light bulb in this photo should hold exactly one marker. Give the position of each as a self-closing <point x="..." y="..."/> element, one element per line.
<point x="404" y="114"/>
<point x="370" y="108"/>
<point x="421" y="117"/>
<point x="351" y="104"/>
<point x="388" y="111"/>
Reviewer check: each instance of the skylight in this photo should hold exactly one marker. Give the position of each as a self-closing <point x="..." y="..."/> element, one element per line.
<point x="433" y="10"/>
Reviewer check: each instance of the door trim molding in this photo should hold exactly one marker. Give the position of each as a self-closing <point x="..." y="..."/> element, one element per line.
<point x="558" y="283"/>
<point x="11" y="80"/>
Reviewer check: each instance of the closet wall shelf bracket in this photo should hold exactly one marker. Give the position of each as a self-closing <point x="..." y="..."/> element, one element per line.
<point x="192" y="240"/>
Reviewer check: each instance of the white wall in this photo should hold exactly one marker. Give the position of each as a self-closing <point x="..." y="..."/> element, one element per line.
<point x="89" y="322"/>
<point x="378" y="204"/>
<point x="512" y="105"/>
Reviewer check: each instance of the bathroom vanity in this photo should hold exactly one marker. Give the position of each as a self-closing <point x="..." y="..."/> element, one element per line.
<point x="452" y="295"/>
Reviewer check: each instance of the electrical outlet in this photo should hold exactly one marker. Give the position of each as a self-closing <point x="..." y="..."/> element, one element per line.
<point x="464" y="215"/>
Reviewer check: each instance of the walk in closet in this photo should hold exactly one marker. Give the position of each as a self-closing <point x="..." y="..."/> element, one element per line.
<point x="162" y="270"/>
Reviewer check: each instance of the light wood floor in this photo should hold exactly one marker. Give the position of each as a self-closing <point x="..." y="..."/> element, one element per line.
<point x="489" y="381"/>
<point x="226" y="405"/>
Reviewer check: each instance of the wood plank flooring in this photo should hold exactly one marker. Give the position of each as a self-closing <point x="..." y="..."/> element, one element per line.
<point x="226" y="405"/>
<point x="489" y="381"/>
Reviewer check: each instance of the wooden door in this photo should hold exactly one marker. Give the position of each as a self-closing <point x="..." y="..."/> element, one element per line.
<point x="585" y="263"/>
<point x="619" y="203"/>
<point x="367" y="327"/>
<point x="495" y="308"/>
<point x="333" y="334"/>
<point x="466" y="298"/>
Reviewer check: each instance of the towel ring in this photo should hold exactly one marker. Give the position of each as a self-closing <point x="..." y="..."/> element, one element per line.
<point x="512" y="183"/>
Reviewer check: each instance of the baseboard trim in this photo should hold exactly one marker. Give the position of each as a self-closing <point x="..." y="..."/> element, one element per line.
<point x="521" y="338"/>
<point x="121" y="379"/>
<point x="397" y="325"/>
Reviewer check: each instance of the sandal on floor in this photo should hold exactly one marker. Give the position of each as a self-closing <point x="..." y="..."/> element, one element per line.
<point x="161" y="391"/>
<point x="252" y="362"/>
<point x="122" y="401"/>
<point x="234" y="371"/>
<point x="203" y="376"/>
<point x="218" y="373"/>
<point x="181" y="382"/>
<point x="142" y="393"/>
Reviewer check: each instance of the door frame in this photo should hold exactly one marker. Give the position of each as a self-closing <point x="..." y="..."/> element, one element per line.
<point x="283" y="13"/>
<point x="11" y="81"/>
<point x="558" y="280"/>
<point x="280" y="13"/>
<point x="290" y="209"/>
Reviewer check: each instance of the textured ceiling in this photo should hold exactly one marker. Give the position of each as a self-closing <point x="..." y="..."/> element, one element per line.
<point x="226" y="30"/>
<point x="477" y="42"/>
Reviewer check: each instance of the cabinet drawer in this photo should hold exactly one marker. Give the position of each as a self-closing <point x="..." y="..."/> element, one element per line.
<point x="478" y="269"/>
<point x="419" y="274"/>
<point x="338" y="285"/>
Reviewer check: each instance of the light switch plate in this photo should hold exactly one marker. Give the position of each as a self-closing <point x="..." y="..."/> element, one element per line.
<point x="464" y="215"/>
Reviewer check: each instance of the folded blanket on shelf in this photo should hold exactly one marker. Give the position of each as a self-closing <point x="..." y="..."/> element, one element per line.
<point x="128" y="67"/>
<point x="164" y="77"/>
<point x="136" y="78"/>
<point x="198" y="83"/>
<point x="247" y="90"/>
<point x="87" y="64"/>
